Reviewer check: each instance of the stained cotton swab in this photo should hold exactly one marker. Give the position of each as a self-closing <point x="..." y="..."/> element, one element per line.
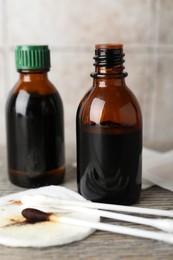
<point x="44" y="200"/>
<point x="34" y="216"/>
<point x="163" y="224"/>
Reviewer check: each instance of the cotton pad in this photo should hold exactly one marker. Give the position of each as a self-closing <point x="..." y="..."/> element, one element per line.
<point x="16" y="232"/>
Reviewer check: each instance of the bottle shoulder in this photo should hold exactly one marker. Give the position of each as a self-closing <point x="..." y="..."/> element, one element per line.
<point x="113" y="104"/>
<point x="25" y="103"/>
<point x="41" y="87"/>
<point x="113" y="97"/>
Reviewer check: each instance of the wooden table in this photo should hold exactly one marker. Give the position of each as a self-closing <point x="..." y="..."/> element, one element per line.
<point x="100" y="245"/>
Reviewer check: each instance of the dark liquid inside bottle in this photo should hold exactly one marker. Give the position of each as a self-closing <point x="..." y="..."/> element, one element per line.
<point x="35" y="139"/>
<point x="109" y="163"/>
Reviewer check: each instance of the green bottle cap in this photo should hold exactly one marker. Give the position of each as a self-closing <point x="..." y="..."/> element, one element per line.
<point x="32" y="57"/>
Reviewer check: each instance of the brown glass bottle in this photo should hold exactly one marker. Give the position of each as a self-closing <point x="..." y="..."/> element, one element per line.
<point x="109" y="133"/>
<point x="34" y="119"/>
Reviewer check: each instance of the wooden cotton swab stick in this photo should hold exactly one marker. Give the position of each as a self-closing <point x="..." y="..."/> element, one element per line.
<point x="34" y="215"/>
<point x="44" y="200"/>
<point x="163" y="224"/>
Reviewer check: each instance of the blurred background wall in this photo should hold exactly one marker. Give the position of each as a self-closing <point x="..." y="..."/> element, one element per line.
<point x="71" y="28"/>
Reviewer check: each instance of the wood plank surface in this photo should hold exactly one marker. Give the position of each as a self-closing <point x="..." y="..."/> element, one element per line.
<point x="100" y="245"/>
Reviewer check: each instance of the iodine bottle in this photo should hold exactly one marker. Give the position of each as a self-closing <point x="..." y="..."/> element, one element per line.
<point x="34" y="122"/>
<point x="109" y="133"/>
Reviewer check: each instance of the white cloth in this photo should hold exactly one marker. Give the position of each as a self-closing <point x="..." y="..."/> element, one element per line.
<point x="157" y="169"/>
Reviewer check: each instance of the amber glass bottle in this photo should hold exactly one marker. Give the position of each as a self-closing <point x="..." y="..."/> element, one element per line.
<point x="34" y="120"/>
<point x="109" y="133"/>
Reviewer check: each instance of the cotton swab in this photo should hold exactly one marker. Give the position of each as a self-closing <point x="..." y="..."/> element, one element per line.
<point x="163" y="224"/>
<point x="44" y="200"/>
<point x="34" y="215"/>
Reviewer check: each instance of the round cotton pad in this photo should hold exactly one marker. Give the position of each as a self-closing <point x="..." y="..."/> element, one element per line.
<point x="16" y="232"/>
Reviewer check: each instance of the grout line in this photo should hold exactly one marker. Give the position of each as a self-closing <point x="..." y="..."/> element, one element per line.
<point x="149" y="84"/>
<point x="153" y="59"/>
<point x="5" y="47"/>
<point x="4" y="50"/>
<point x="148" y="48"/>
<point x="154" y="76"/>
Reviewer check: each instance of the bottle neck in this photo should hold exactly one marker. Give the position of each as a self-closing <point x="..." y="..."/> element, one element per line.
<point x="109" y="62"/>
<point x="108" y="77"/>
<point x="107" y="81"/>
<point x="109" y="72"/>
<point x="33" y="75"/>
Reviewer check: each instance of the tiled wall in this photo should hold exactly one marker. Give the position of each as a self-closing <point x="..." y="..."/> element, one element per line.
<point x="71" y="28"/>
